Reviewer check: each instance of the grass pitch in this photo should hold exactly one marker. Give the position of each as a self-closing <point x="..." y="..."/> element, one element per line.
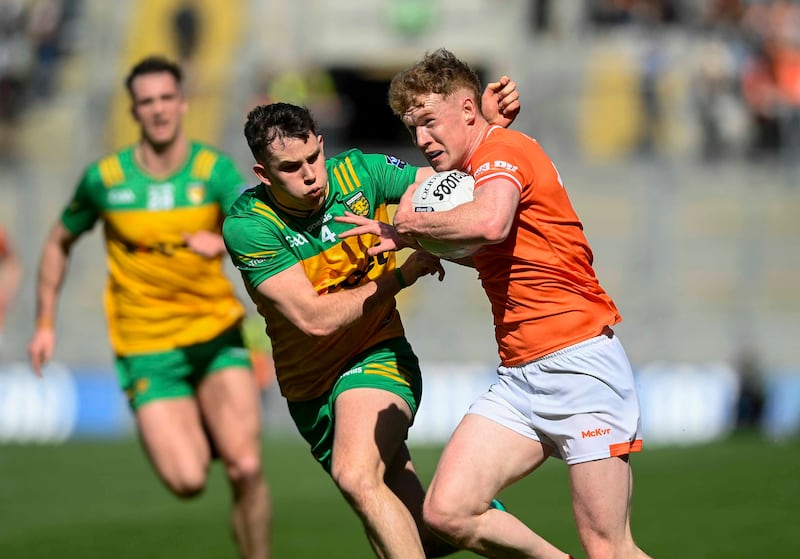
<point x="738" y="498"/>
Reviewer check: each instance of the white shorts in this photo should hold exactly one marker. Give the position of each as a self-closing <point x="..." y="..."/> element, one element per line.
<point x="580" y="400"/>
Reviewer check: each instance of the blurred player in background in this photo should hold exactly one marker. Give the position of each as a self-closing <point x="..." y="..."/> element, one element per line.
<point x="174" y="319"/>
<point x="10" y="276"/>
<point x="565" y="387"/>
<point x="342" y="361"/>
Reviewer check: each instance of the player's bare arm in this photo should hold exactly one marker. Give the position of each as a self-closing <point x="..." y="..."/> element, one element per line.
<point x="205" y="243"/>
<point x="485" y="220"/>
<point x="294" y="296"/>
<point x="52" y="269"/>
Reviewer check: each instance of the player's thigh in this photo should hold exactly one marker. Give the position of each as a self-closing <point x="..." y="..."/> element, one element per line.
<point x="160" y="393"/>
<point x="481" y="459"/>
<point x="171" y="431"/>
<point x="230" y="405"/>
<point x="371" y="425"/>
<point x="601" y="491"/>
<point x="374" y="403"/>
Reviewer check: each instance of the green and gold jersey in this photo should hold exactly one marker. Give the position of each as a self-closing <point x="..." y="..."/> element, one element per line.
<point x="160" y="294"/>
<point x="263" y="241"/>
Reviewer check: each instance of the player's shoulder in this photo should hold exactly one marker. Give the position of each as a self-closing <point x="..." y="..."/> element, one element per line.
<point x="509" y="136"/>
<point x="206" y="158"/>
<point x="109" y="170"/>
<point x="244" y="202"/>
<point x="351" y="154"/>
<point x="356" y="157"/>
<point x="253" y="206"/>
<point x="197" y="146"/>
<point x="513" y="143"/>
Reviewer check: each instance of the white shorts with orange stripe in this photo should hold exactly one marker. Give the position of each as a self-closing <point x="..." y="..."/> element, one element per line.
<point x="581" y="401"/>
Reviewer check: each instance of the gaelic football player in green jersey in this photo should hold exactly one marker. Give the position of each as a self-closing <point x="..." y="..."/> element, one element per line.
<point x="173" y="316"/>
<point x="342" y="361"/>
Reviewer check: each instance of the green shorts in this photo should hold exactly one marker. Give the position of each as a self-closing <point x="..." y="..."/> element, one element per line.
<point x="175" y="373"/>
<point x="390" y="366"/>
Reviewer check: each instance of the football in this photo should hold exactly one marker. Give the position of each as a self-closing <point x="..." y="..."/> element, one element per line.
<point x="441" y="192"/>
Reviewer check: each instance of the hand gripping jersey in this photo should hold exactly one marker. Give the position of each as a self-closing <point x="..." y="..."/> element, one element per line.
<point x="540" y="282"/>
<point x="160" y="295"/>
<point x="263" y="241"/>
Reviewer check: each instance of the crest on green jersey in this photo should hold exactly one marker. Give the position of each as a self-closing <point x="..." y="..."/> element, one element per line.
<point x="196" y="193"/>
<point x="358" y="204"/>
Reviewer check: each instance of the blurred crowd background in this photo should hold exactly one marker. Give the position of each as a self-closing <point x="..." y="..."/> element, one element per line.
<point x="674" y="123"/>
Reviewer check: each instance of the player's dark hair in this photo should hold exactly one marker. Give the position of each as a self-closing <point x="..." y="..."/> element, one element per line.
<point x="153" y="65"/>
<point x="276" y="121"/>
<point x="438" y="72"/>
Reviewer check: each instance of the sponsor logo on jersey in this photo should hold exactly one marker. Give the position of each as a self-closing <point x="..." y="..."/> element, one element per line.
<point x="321" y="221"/>
<point x="358" y="204"/>
<point x="120" y="196"/>
<point x="506" y="165"/>
<point x="496" y="165"/>
<point x="399" y="163"/>
<point x="599" y="432"/>
<point x="196" y="193"/>
<point x="482" y="169"/>
<point x="161" y="196"/>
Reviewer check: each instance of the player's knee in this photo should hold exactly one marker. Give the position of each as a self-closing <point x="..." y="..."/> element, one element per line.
<point x="355" y="484"/>
<point x="245" y="470"/>
<point x="443" y="519"/>
<point x="187" y="484"/>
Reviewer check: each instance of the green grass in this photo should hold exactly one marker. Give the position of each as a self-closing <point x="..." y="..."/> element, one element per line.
<point x="736" y="498"/>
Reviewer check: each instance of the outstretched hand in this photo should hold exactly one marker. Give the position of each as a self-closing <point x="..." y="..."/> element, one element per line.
<point x="500" y="102"/>
<point x="388" y="239"/>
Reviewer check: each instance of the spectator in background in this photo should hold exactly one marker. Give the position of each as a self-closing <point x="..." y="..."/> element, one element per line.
<point x="770" y="78"/>
<point x="44" y="29"/>
<point x="10" y="276"/>
<point x="186" y="26"/>
<point x="771" y="89"/>
<point x="750" y="407"/>
<point x="15" y="65"/>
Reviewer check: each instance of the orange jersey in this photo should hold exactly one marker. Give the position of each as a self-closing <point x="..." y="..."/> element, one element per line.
<point x="540" y="282"/>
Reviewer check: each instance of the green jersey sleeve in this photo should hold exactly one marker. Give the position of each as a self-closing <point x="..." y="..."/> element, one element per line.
<point x="255" y="243"/>
<point x="226" y="183"/>
<point x="82" y="212"/>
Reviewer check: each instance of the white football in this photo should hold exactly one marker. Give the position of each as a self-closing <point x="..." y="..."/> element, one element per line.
<point x="441" y="192"/>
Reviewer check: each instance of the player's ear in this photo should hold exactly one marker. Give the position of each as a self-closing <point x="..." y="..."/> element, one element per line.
<point x="470" y="109"/>
<point x="261" y="173"/>
<point x="321" y="143"/>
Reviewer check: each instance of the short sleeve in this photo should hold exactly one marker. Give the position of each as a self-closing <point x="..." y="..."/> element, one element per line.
<point x="227" y="183"/>
<point x="257" y="248"/>
<point x="82" y="212"/>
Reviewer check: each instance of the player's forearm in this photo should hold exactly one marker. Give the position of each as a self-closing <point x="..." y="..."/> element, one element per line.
<point x="52" y="269"/>
<point x="336" y="311"/>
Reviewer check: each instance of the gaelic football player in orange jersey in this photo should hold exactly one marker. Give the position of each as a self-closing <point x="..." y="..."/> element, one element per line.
<point x="565" y="386"/>
<point x="174" y="318"/>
